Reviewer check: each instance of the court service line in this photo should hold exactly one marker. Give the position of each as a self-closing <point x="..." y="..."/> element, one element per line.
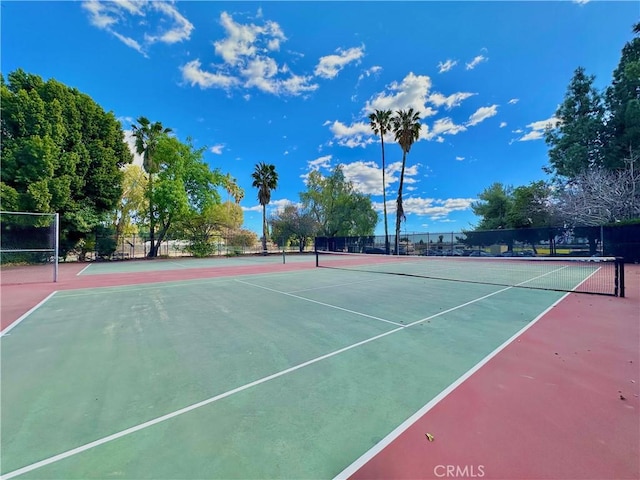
<point x="322" y="303"/>
<point x="399" y="430"/>
<point x="25" y="315"/>
<point x="80" y="272"/>
<point x="168" y="416"/>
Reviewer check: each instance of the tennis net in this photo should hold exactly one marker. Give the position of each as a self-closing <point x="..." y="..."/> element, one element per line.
<point x="596" y="275"/>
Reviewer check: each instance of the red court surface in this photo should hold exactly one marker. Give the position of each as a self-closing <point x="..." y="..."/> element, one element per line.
<point x="561" y="402"/>
<point x="20" y="293"/>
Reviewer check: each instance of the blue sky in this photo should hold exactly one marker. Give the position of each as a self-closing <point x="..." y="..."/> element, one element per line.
<point x="292" y="83"/>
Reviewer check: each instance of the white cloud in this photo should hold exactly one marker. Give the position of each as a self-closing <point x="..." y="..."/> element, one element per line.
<point x="394" y="168"/>
<point x="482" y="114"/>
<point x="193" y="74"/>
<point x="247" y="64"/>
<point x="278" y="205"/>
<point x="459" y="159"/>
<point x="243" y="40"/>
<point x="414" y="91"/>
<point x="451" y="101"/>
<point x="130" y="140"/>
<point x="532" y="135"/>
<point x="274" y="206"/>
<point x="442" y="126"/>
<point x="503" y="124"/>
<point x="365" y="176"/>
<point x="330" y="65"/>
<point x="297" y="84"/>
<point x="357" y="134"/>
<point x="168" y="25"/>
<point x="217" y="149"/>
<point x="581" y="2"/>
<point x="476" y="61"/>
<point x="180" y="30"/>
<point x="375" y="70"/>
<point x="320" y="162"/>
<point x="100" y="14"/>
<point x="316" y="165"/>
<point x="536" y="129"/>
<point x="255" y="208"/>
<point x="446" y="66"/>
<point x="411" y="92"/>
<point x="434" y="208"/>
<point x="513" y="101"/>
<point x="130" y="42"/>
<point x="260" y="73"/>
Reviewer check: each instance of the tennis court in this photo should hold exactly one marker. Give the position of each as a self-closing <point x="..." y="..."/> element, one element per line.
<point x="283" y="374"/>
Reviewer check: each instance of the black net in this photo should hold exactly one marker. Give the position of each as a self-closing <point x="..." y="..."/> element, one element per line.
<point x="598" y="275"/>
<point x="28" y="247"/>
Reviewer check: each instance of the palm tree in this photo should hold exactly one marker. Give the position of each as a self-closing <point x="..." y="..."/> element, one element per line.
<point x="380" y="122"/>
<point x="406" y="128"/>
<point x="636" y="28"/>
<point x="265" y="179"/>
<point x="147" y="135"/>
<point x="233" y="189"/>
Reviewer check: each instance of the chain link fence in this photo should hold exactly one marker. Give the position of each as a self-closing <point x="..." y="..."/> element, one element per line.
<point x="618" y="241"/>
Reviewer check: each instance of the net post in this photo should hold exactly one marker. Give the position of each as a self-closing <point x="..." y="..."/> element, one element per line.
<point x="56" y="246"/>
<point x="317" y="259"/>
<point x="619" y="287"/>
<point x="283" y="256"/>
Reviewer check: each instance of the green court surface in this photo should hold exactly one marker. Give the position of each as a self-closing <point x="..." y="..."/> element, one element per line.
<point x="288" y="375"/>
<point x="181" y="263"/>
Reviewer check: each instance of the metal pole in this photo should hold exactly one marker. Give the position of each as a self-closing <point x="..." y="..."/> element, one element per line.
<point x="56" y="241"/>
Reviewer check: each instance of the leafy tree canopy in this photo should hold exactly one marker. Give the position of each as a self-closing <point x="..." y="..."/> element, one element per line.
<point x="335" y="205"/>
<point x="576" y="140"/>
<point x="61" y="152"/>
<point x="293" y="223"/>
<point x="623" y="105"/>
<point x="185" y="186"/>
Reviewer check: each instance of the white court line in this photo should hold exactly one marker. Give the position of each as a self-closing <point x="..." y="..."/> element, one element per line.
<point x="591" y="275"/>
<point x="128" y="431"/>
<point x="322" y="303"/>
<point x="15" y="324"/>
<point x="182" y="264"/>
<point x="115" y="436"/>
<point x="75" y="451"/>
<point x="80" y="272"/>
<point x="382" y="444"/>
<point x="386" y="441"/>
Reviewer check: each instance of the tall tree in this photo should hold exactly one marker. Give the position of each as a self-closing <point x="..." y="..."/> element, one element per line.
<point x="622" y="100"/>
<point x="147" y="136"/>
<point x="61" y="152"/>
<point x="216" y="220"/>
<point x="530" y="206"/>
<point x="133" y="203"/>
<point x="337" y="208"/>
<point x="232" y="188"/>
<point x="493" y="207"/>
<point x="576" y="140"/>
<point x="294" y="223"/>
<point x="185" y="186"/>
<point x="380" y="122"/>
<point x="265" y="179"/>
<point x="406" y="128"/>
